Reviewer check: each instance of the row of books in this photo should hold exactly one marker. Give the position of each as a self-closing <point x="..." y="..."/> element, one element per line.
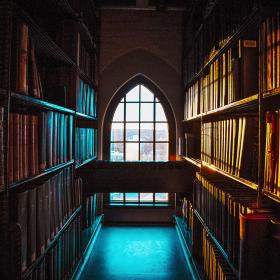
<point x="192" y="102"/>
<point x="86" y="61"/>
<point x="62" y="257"/>
<point x="270" y="52"/>
<point x="272" y="156"/>
<point x="91" y="209"/>
<point x="86" y="99"/>
<point x="85" y="144"/>
<point x="42" y="210"/>
<point x="214" y="263"/>
<point x="216" y="30"/>
<point x="2" y="152"/>
<point x="220" y="203"/>
<point x="38" y="142"/>
<point x="226" y="80"/>
<point x="27" y="78"/>
<point x="232" y="146"/>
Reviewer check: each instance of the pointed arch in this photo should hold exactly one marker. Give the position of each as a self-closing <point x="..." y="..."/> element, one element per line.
<point x="118" y="97"/>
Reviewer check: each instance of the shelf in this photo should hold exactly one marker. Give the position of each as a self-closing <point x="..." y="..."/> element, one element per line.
<point x="89" y="237"/>
<point x="84" y="116"/>
<point x="87" y="161"/>
<point x="89" y="233"/>
<point x="248" y="104"/>
<point x="242" y="181"/>
<point x="272" y="196"/>
<point x="195" y="269"/>
<point x="32" y="102"/>
<point x="220" y="248"/>
<point x="85" y="121"/>
<point x="194" y="118"/>
<point x="30" y="269"/>
<point x="238" y="107"/>
<point x="194" y="161"/>
<point x="249" y="21"/>
<point x="271" y="99"/>
<point x="30" y="180"/>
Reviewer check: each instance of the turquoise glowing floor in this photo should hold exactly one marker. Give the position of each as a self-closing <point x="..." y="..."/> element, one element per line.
<point x="127" y="253"/>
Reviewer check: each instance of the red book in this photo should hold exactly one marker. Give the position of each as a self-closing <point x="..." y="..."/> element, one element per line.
<point x="2" y="182"/>
<point x="11" y="150"/>
<point x="20" y="148"/>
<point x="32" y="152"/>
<point x="25" y="120"/>
<point x="16" y="150"/>
<point x="36" y="145"/>
<point x="21" y="83"/>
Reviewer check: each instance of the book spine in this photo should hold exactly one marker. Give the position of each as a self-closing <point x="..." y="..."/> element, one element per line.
<point x="32" y="213"/>
<point x="32" y="141"/>
<point x="16" y="147"/>
<point x="11" y="149"/>
<point x="43" y="141"/>
<point x="2" y="175"/>
<point x="21" y="84"/>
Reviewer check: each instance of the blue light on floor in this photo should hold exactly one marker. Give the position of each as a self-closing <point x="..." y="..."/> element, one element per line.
<point x="137" y="253"/>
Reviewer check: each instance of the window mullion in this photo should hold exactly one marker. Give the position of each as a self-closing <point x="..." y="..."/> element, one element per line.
<point x="154" y="131"/>
<point x="124" y="131"/>
<point x="139" y="123"/>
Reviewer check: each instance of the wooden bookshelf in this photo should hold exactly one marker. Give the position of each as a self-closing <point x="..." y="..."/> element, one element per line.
<point x="193" y="161"/>
<point x="48" y="172"/>
<point x="240" y="180"/>
<point x="30" y="269"/>
<point x="31" y="102"/>
<point x="224" y="100"/>
<point x="240" y="107"/>
<point x="251" y="19"/>
<point x="33" y="46"/>
<point x="86" y="162"/>
<point x="221" y="249"/>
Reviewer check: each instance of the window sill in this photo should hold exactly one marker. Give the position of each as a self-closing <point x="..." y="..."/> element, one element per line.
<point x="139" y="205"/>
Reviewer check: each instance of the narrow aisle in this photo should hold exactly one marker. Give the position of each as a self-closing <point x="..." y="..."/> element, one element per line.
<point x="126" y="253"/>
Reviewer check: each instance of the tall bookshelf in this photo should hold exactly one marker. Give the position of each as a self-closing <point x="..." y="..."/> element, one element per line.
<point x="48" y="131"/>
<point x="231" y="137"/>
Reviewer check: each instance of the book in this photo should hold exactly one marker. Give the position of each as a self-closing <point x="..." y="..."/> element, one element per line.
<point x="22" y="59"/>
<point x="2" y="169"/>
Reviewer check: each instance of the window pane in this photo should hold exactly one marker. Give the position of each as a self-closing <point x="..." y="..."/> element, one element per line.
<point x="147" y="112"/>
<point x="161" y="197"/>
<point x="119" y="113"/>
<point x="131" y="197"/>
<point x="133" y="95"/>
<point x="117" y="132"/>
<point x="146" y="95"/>
<point x="132" y="151"/>
<point x="161" y="151"/>
<point x="116" y="196"/>
<point x="132" y="132"/>
<point x="146" y="131"/>
<point x="161" y="132"/>
<point x="116" y="152"/>
<point x="132" y="112"/>
<point x="146" y="197"/>
<point x="160" y="114"/>
<point x="146" y="151"/>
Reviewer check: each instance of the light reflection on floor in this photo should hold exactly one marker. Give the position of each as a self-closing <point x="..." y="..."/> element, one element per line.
<point x="127" y="253"/>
